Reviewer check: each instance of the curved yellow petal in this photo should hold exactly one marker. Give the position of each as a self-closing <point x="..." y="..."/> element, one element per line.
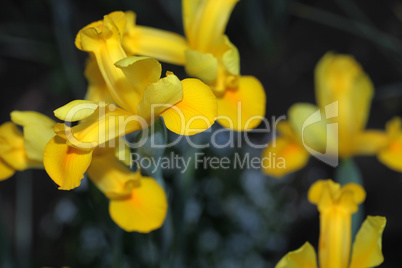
<point x="97" y="88"/>
<point x="160" y="44"/>
<point x="201" y="65"/>
<point x="195" y="113"/>
<point x="38" y="130"/>
<point x="110" y="175"/>
<point x="304" y="257"/>
<point x="140" y="71"/>
<point x="244" y="108"/>
<point x="283" y="156"/>
<point x="76" y="110"/>
<point x="106" y="123"/>
<point x="341" y="78"/>
<point x="144" y="211"/>
<point x="367" y="248"/>
<point x="160" y="96"/>
<point x="12" y="149"/>
<point x="205" y="21"/>
<point x="64" y="164"/>
<point x="6" y="171"/>
<point x="231" y="58"/>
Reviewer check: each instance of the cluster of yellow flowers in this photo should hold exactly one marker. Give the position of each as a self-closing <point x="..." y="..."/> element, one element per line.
<point x="126" y="93"/>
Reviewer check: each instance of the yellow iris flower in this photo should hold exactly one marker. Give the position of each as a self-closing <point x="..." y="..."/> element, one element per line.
<point x="187" y="107"/>
<point x="207" y="54"/>
<point x="20" y="150"/>
<point x="128" y="191"/>
<point x="344" y="94"/>
<point x="135" y="96"/>
<point x="336" y="205"/>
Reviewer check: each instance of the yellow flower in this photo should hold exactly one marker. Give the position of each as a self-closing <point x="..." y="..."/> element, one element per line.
<point x="336" y="205"/>
<point x="336" y="127"/>
<point x="208" y="55"/>
<point x="23" y="150"/>
<point x="136" y="203"/>
<point x="187" y="107"/>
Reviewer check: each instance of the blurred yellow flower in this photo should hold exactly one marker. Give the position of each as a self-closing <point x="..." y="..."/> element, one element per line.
<point x="207" y="54"/>
<point x="336" y="127"/>
<point x="336" y="205"/>
<point x="23" y="150"/>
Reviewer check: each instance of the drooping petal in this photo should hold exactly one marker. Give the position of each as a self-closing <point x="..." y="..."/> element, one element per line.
<point x="304" y="257"/>
<point x="244" y="108"/>
<point x="283" y="156"/>
<point x="6" y="171"/>
<point x="12" y="149"/>
<point x="146" y="41"/>
<point x="97" y="87"/>
<point x="144" y="211"/>
<point x="340" y="78"/>
<point x="38" y="130"/>
<point x="367" y="248"/>
<point x="201" y="65"/>
<point x="64" y="164"/>
<point x="195" y="113"/>
<point x="160" y="96"/>
<point x="106" y="123"/>
<point x="205" y="21"/>
<point x="110" y="175"/>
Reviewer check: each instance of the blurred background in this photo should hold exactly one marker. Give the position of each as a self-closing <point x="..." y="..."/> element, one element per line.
<point x="217" y="218"/>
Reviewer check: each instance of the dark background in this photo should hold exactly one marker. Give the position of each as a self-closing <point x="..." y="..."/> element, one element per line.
<point x="226" y="219"/>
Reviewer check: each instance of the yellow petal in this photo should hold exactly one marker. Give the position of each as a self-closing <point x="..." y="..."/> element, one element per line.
<point x="106" y="123"/>
<point x="38" y="130"/>
<point x="162" y="45"/>
<point x="201" y="65"/>
<point x="195" y="113"/>
<point x="160" y="96"/>
<point x="97" y="88"/>
<point x="110" y="175"/>
<point x="6" y="171"/>
<point x="326" y="194"/>
<point x="244" y="108"/>
<point x="103" y="39"/>
<point x="283" y="156"/>
<point x="205" y="21"/>
<point x="144" y="211"/>
<point x="12" y="148"/>
<point x="304" y="257"/>
<point x="141" y="71"/>
<point x="391" y="155"/>
<point x="340" y="78"/>
<point x="76" y="110"/>
<point x="370" y="142"/>
<point x="231" y="58"/>
<point x="64" y="164"/>
<point x="367" y="247"/>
